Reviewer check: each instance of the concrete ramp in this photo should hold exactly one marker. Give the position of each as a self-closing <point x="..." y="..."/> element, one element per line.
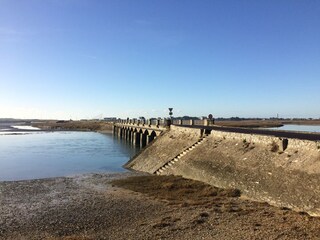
<point x="282" y="172"/>
<point x="164" y="148"/>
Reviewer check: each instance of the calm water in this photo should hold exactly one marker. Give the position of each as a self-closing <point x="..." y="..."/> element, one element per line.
<point x="51" y="154"/>
<point x="300" y="128"/>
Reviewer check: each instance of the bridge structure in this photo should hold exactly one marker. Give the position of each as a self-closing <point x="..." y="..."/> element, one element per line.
<point x="139" y="132"/>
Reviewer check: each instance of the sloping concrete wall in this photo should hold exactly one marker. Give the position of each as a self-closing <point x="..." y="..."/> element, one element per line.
<point x="164" y="148"/>
<point x="262" y="167"/>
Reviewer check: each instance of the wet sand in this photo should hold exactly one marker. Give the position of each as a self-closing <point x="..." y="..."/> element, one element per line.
<point x="112" y="206"/>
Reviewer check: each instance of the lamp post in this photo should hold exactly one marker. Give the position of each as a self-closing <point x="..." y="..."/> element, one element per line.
<point x="170" y="112"/>
<point x="170" y="117"/>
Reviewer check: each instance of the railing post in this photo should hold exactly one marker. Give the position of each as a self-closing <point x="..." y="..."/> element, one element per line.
<point x="191" y="122"/>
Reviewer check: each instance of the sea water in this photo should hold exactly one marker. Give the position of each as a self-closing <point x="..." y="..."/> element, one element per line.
<point x="298" y="128"/>
<point x="38" y="154"/>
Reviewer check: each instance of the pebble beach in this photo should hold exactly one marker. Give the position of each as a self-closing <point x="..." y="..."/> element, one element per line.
<point x="137" y="206"/>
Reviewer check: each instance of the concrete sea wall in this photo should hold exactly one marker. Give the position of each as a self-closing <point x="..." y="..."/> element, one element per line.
<point x="163" y="148"/>
<point x="282" y="172"/>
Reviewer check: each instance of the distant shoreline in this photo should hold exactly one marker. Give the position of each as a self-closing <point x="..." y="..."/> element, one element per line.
<point x="97" y="126"/>
<point x="107" y="127"/>
<point x="100" y="125"/>
<point x="266" y="123"/>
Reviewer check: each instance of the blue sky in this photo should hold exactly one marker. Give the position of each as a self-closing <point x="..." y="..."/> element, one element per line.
<point x="85" y="58"/>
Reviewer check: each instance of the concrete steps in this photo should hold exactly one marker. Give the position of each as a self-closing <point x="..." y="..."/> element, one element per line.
<point x="170" y="163"/>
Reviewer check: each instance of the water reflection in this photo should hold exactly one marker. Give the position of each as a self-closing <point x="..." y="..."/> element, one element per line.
<point x="299" y="128"/>
<point x="51" y="154"/>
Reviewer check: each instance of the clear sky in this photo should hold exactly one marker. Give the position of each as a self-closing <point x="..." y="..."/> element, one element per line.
<point x="130" y="58"/>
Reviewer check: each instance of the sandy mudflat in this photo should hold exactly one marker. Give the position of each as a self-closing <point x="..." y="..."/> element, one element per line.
<point x="143" y="207"/>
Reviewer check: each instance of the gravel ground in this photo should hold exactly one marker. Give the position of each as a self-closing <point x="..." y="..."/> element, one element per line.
<point x="113" y="206"/>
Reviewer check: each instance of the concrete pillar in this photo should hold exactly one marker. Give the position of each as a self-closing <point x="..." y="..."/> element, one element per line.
<point x="134" y="135"/>
<point x="210" y="122"/>
<point x="120" y="132"/>
<point x="191" y="122"/>
<point x="180" y="122"/>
